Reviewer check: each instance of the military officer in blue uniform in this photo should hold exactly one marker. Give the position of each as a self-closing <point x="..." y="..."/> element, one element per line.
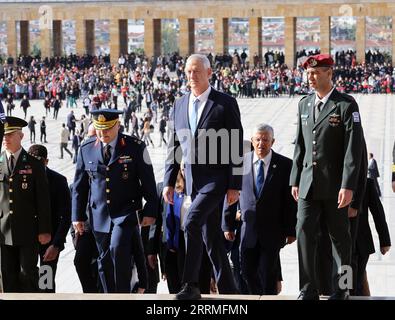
<point x="25" y="212"/>
<point x="113" y="174"/>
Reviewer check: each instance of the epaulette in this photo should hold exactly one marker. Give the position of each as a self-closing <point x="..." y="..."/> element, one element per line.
<point x="88" y="141"/>
<point x="348" y="97"/>
<point x="135" y="139"/>
<point x="307" y="95"/>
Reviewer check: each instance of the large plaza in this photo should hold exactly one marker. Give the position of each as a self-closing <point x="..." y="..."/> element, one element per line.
<point x="378" y="117"/>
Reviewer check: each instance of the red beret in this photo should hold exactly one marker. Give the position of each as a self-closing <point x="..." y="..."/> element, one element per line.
<point x="319" y="60"/>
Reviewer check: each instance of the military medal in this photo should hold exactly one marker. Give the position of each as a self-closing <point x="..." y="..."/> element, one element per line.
<point x="24" y="185"/>
<point x="125" y="175"/>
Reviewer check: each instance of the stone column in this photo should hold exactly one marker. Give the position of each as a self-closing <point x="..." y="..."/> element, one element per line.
<point x="255" y="39"/>
<point x="11" y="38"/>
<point x="290" y="31"/>
<point x="90" y="37"/>
<point x="221" y="35"/>
<point x="123" y="36"/>
<point x="80" y="34"/>
<point x="152" y="37"/>
<point x="325" y="34"/>
<point x="57" y="38"/>
<point x="187" y="36"/>
<point x="114" y="40"/>
<point x="360" y="39"/>
<point x="24" y="37"/>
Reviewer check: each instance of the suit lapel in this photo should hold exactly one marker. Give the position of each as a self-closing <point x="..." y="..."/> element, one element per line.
<point x="184" y="110"/>
<point x="310" y="106"/>
<point x="250" y="172"/>
<point x="270" y="173"/>
<point x="207" y="108"/>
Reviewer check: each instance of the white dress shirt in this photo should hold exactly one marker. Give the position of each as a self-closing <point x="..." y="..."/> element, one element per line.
<point x="202" y="102"/>
<point x="324" y="99"/>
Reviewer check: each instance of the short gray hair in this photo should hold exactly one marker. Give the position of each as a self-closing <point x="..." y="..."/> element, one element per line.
<point x="202" y="58"/>
<point x="264" y="127"/>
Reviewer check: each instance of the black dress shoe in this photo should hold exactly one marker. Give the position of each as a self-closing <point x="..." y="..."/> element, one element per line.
<point x="303" y="295"/>
<point x="340" y="295"/>
<point x="189" y="292"/>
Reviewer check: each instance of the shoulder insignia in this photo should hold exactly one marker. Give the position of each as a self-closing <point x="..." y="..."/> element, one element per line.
<point x="348" y="97"/>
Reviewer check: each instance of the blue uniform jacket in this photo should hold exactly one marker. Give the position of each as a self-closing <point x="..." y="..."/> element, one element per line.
<point x="116" y="190"/>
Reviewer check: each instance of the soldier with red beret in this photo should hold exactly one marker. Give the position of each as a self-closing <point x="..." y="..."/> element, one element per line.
<point x="325" y="172"/>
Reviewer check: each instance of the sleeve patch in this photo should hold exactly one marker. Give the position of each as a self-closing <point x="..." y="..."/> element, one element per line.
<point x="355" y="116"/>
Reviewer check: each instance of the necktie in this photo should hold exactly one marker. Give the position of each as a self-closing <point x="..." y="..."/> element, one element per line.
<point x="194" y="115"/>
<point x="260" y="177"/>
<point x="12" y="163"/>
<point x="317" y="110"/>
<point x="107" y="154"/>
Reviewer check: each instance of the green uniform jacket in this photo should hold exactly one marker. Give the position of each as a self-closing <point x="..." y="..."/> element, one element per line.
<point x="327" y="153"/>
<point x="24" y="201"/>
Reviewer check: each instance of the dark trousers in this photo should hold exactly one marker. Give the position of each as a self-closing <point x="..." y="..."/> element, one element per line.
<point x="327" y="266"/>
<point x="307" y="232"/>
<point x="51" y="288"/>
<point x="202" y="225"/>
<point x="19" y="268"/>
<point x="174" y="266"/>
<point x="362" y="261"/>
<point x="260" y="269"/>
<point x="115" y="257"/>
<point x="43" y="136"/>
<point x="85" y="262"/>
<point x="64" y="146"/>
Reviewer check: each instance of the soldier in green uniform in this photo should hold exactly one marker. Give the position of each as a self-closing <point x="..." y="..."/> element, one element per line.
<point x="325" y="172"/>
<point x="25" y="217"/>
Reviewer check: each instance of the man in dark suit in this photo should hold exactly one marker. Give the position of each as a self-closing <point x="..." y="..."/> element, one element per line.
<point x="200" y="119"/>
<point x="25" y="213"/>
<point x="373" y="172"/>
<point x="268" y="213"/>
<point x="113" y="174"/>
<point x="325" y="171"/>
<point x="60" y="214"/>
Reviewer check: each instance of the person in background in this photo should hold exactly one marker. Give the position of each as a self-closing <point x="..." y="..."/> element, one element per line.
<point x="60" y="214"/>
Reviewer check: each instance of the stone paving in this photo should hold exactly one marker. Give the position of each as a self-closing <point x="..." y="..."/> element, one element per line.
<point x="378" y="117"/>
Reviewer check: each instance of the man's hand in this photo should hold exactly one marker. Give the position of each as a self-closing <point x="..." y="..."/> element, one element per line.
<point x="290" y="239"/>
<point x="344" y="198"/>
<point x="168" y="194"/>
<point x="152" y="261"/>
<point x="147" y="221"/>
<point x="229" y="235"/>
<point x="295" y="193"/>
<point x="352" y="213"/>
<point x="233" y="196"/>
<point x="393" y="186"/>
<point x="44" y="238"/>
<point x="79" y="227"/>
<point x="51" y="253"/>
<point x="384" y="250"/>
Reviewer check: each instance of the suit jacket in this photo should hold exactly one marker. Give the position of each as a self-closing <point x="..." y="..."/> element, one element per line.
<point x="270" y="216"/>
<point x="60" y="207"/>
<point x="327" y="153"/>
<point x="25" y="210"/>
<point x="114" y="191"/>
<point x="371" y="201"/>
<point x="212" y="165"/>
